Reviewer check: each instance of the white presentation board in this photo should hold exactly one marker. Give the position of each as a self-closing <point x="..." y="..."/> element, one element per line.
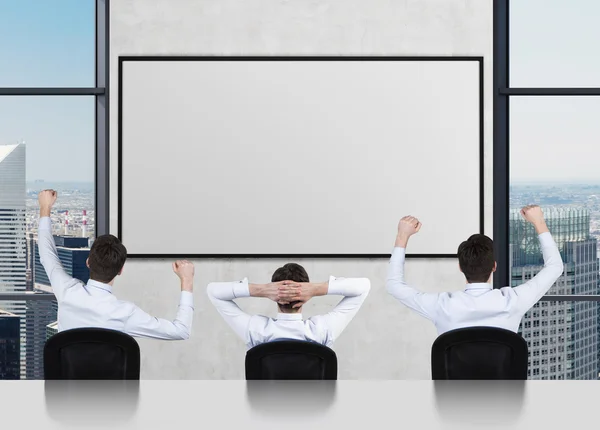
<point x="298" y="157"/>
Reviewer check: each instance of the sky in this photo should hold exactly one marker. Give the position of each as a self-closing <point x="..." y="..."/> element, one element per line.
<point x="553" y="43"/>
<point x="46" y="43"/>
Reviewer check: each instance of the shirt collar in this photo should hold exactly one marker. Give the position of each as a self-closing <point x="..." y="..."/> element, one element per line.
<point x="289" y="317"/>
<point x="99" y="285"/>
<point x="479" y="286"/>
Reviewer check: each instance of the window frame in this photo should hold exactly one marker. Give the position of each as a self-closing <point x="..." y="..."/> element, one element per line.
<point x="100" y="93"/>
<point x="502" y="92"/>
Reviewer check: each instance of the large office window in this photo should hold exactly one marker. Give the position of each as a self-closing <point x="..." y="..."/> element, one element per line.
<point x="547" y="101"/>
<point x="53" y="134"/>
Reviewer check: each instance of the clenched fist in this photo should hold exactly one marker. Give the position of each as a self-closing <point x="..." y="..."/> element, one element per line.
<point x="46" y="200"/>
<point x="534" y="215"/>
<point x="407" y="226"/>
<point x="185" y="270"/>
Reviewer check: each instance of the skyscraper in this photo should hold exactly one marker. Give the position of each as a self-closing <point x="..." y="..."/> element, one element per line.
<point x="10" y="350"/>
<point x="562" y="336"/>
<point x="12" y="233"/>
<point x="39" y="314"/>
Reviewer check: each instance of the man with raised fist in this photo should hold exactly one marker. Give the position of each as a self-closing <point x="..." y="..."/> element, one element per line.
<point x="478" y="304"/>
<point x="93" y="304"/>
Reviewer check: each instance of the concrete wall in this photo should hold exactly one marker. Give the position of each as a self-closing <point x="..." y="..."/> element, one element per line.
<point x="385" y="340"/>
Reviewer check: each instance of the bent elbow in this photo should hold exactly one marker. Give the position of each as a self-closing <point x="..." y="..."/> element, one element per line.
<point x="184" y="334"/>
<point x="560" y="268"/>
<point x="555" y="266"/>
<point x="390" y="287"/>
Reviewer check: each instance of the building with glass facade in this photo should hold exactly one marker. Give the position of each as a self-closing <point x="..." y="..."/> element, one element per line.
<point x="562" y="336"/>
<point x="72" y="252"/>
<point x="39" y="314"/>
<point x="10" y="346"/>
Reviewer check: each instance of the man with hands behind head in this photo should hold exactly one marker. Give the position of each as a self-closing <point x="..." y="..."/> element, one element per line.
<point x="290" y="288"/>
<point x="94" y="305"/>
<point x="479" y="304"/>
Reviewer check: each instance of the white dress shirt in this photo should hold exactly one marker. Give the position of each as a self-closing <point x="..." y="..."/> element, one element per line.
<point x="94" y="305"/>
<point x="479" y="304"/>
<point x="257" y="329"/>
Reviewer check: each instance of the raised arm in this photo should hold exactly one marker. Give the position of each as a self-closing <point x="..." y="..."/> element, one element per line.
<point x="530" y="292"/>
<point x="424" y="304"/>
<point x="142" y="324"/>
<point x="59" y="279"/>
<point x="354" y="290"/>
<point x="222" y="294"/>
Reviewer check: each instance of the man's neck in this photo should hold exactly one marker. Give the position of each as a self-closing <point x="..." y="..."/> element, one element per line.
<point x="288" y="312"/>
<point x="111" y="283"/>
<point x="489" y="281"/>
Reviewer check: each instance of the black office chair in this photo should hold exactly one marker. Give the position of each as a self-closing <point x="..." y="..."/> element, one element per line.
<point x="479" y="353"/>
<point x="291" y="360"/>
<point x="91" y="354"/>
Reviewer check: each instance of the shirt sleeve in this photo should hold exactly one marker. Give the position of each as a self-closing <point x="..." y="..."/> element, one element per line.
<point x="425" y="304"/>
<point x="59" y="279"/>
<point x="355" y="291"/>
<point x="532" y="291"/>
<point x="221" y="295"/>
<point x="141" y="324"/>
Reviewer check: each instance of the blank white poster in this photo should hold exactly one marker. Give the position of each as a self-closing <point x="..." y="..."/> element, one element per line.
<point x="321" y="157"/>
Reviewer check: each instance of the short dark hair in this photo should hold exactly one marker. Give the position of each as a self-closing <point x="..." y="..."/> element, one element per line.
<point x="290" y="272"/>
<point x="476" y="258"/>
<point x="107" y="258"/>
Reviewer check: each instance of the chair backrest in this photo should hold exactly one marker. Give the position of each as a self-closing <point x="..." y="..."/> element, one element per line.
<point x="291" y="360"/>
<point x="479" y="353"/>
<point x="92" y="354"/>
